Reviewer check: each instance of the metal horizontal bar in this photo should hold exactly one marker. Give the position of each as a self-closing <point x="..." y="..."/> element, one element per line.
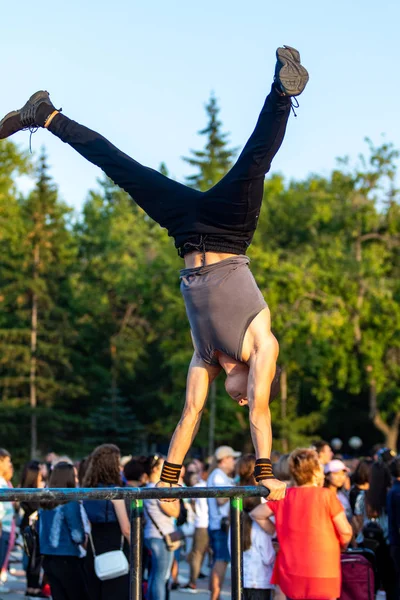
<point x="116" y="493"/>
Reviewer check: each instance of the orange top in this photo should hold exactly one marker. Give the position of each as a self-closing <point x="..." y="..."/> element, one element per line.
<point x="308" y="561"/>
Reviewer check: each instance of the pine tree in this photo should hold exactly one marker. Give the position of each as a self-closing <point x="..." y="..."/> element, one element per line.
<point x="36" y="367"/>
<point x="163" y="169"/>
<point x="14" y="333"/>
<point x="114" y="422"/>
<point x="212" y="164"/>
<point x="216" y="159"/>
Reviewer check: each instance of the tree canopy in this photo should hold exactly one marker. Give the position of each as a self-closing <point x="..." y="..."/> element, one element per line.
<point x="92" y="320"/>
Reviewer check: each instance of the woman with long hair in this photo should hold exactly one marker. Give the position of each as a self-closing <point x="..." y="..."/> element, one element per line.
<point x="31" y="478"/>
<point x="311" y="527"/>
<point x="109" y="521"/>
<point x="258" y="551"/>
<point x="360" y="480"/>
<point x="370" y="513"/>
<point x="159" y="521"/>
<point x="61" y="535"/>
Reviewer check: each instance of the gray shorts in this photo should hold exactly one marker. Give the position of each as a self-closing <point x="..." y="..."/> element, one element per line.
<point x="221" y="301"/>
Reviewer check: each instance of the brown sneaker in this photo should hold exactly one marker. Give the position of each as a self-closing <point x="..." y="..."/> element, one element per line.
<point x="31" y="116"/>
<point x="290" y="76"/>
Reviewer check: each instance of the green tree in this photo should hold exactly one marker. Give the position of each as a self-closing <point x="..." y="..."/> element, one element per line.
<point x="326" y="254"/>
<point x="113" y="421"/>
<point x="36" y="292"/>
<point x="215" y="160"/>
<point x="123" y="274"/>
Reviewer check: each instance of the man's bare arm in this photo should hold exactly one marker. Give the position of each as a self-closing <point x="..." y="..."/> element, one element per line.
<point x="200" y="376"/>
<point x="260" y="351"/>
<point x="262" y="370"/>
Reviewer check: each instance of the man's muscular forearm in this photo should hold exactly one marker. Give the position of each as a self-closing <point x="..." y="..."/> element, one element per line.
<point x="261" y="374"/>
<point x="261" y="432"/>
<point x="200" y="376"/>
<point x="262" y="366"/>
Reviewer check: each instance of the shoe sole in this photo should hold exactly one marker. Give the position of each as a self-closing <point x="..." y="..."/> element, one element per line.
<point x="15" y="113"/>
<point x="292" y="76"/>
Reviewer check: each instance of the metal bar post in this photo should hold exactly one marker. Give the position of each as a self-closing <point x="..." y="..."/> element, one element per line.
<point x="236" y="548"/>
<point x="117" y="493"/>
<point x="136" y="551"/>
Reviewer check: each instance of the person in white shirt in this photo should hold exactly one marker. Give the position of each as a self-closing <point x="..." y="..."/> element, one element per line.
<point x="258" y="564"/>
<point x="218" y="510"/>
<point x="200" y="536"/>
<point x="159" y="520"/>
<point x="258" y="552"/>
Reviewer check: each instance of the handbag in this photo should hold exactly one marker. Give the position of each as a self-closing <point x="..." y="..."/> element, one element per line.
<point x="183" y="514"/>
<point x="110" y="565"/>
<point x="30" y="537"/>
<point x="173" y="540"/>
<point x="225" y="521"/>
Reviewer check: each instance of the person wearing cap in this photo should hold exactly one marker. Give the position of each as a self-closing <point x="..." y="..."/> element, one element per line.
<point x="336" y="474"/>
<point x="218" y="511"/>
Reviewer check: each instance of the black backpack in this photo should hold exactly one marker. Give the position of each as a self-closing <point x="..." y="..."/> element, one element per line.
<point x="373" y="535"/>
<point x="183" y="513"/>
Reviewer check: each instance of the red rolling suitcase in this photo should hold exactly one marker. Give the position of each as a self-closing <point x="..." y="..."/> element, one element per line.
<point x="358" y="575"/>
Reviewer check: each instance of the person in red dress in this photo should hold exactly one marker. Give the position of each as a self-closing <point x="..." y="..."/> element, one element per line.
<point x="311" y="527"/>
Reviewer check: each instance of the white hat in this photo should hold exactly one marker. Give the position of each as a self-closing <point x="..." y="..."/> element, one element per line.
<point x="125" y="459"/>
<point x="335" y="466"/>
<point x="225" y="451"/>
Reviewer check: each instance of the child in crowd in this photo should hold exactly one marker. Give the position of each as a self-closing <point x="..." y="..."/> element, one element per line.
<point x="258" y="551"/>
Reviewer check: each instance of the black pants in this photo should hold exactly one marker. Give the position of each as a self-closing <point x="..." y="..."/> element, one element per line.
<point x="223" y="218"/>
<point x="106" y="537"/>
<point x="65" y="575"/>
<point x="386" y="570"/>
<point x="252" y="594"/>
<point x="33" y="572"/>
<point x="395" y="553"/>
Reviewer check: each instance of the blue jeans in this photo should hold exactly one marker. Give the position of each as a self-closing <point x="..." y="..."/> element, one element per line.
<point x="219" y="545"/>
<point x="4" y="539"/>
<point x="161" y="563"/>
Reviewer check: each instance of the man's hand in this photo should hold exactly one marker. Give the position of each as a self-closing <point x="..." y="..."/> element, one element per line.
<point x="277" y="489"/>
<point x="164" y="484"/>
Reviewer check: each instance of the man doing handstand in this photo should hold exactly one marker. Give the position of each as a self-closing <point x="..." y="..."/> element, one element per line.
<point x="229" y="318"/>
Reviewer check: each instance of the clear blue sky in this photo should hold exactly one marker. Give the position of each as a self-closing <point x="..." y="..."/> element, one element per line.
<point x="141" y="72"/>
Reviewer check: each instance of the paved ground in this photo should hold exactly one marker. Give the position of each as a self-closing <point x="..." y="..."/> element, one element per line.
<point x="202" y="584"/>
<point x="17" y="585"/>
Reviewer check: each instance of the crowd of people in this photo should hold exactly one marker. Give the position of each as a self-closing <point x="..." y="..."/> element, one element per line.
<point x="291" y="548"/>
